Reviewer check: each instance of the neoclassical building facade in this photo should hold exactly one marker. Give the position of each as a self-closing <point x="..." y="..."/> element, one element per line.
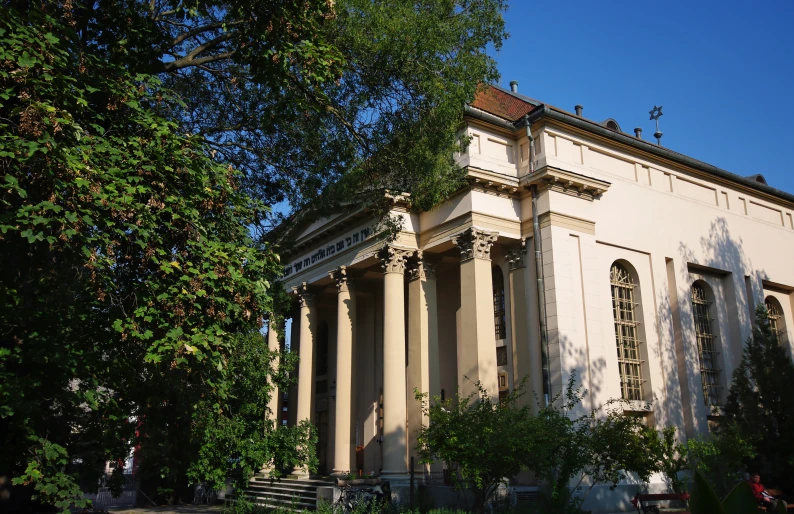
<point x="576" y="250"/>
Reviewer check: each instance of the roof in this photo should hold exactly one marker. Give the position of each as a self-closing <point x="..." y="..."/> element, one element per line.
<point x="508" y="108"/>
<point x="500" y="103"/>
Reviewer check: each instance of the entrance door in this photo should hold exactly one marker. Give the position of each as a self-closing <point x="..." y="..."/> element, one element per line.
<point x="322" y="441"/>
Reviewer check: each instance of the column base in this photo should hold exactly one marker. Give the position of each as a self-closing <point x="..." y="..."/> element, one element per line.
<point x="396" y="477"/>
<point x="340" y="473"/>
<point x="300" y="473"/>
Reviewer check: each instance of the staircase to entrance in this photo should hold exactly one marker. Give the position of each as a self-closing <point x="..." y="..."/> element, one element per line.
<point x="298" y="494"/>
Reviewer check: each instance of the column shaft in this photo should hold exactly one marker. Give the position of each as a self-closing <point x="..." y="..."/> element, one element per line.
<point x="305" y="378"/>
<point x="522" y="362"/>
<point x="395" y="457"/>
<point x="477" y="341"/>
<point x="423" y="366"/>
<point x="345" y="340"/>
<point x="274" y="404"/>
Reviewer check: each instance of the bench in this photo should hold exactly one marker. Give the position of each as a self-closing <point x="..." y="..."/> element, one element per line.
<point x="777" y="493"/>
<point x="640" y="501"/>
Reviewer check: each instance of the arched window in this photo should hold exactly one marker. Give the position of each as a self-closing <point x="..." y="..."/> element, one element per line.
<point x="626" y="333"/>
<point x="708" y="345"/>
<point x="777" y="322"/>
<point x="498" y="302"/>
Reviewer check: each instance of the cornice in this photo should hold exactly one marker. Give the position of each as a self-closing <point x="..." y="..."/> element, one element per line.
<point x="566" y="182"/>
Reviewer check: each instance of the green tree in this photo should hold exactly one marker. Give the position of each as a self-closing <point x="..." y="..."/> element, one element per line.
<point x="348" y="97"/>
<point x="760" y="403"/>
<point x="597" y="447"/>
<point x="488" y="442"/>
<point x="484" y="442"/>
<point x="127" y="259"/>
<point x="140" y="145"/>
<point x="720" y="457"/>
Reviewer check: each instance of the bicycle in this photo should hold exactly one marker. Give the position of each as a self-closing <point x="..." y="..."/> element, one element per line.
<point x="357" y="499"/>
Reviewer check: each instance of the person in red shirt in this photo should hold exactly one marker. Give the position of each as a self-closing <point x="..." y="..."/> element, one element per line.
<point x="761" y="494"/>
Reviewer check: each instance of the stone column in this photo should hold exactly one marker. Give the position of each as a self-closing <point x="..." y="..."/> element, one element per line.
<point x="273" y="416"/>
<point x="308" y="322"/>
<point x="344" y="446"/>
<point x="274" y="404"/>
<point x="523" y="365"/>
<point x="423" y="365"/>
<point x="476" y="342"/>
<point x="395" y="457"/>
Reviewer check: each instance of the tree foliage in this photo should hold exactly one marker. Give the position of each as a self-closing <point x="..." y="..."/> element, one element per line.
<point x="335" y="96"/>
<point x="127" y="262"/>
<point x="141" y="143"/>
<point x="760" y="403"/>
<point x="488" y="442"/>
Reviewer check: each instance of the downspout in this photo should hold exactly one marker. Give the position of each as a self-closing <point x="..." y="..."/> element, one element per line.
<point x="541" y="285"/>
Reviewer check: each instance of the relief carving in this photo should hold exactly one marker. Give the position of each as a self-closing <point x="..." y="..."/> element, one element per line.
<point x="305" y="295"/>
<point x="515" y="256"/>
<point x="341" y="275"/>
<point x="394" y="259"/>
<point x="421" y="268"/>
<point x="475" y="244"/>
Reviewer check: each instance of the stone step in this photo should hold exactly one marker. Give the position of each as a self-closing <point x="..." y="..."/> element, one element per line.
<point x="285" y="493"/>
<point x="281" y="498"/>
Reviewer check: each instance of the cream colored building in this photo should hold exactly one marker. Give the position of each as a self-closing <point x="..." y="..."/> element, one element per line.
<point x="685" y="250"/>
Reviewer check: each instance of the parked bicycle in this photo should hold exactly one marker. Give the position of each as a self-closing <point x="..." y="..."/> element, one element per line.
<point x="362" y="499"/>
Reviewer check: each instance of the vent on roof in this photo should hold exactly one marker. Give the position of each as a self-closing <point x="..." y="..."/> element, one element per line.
<point x="579" y="110"/>
<point x="611" y="124"/>
<point x="758" y="178"/>
<point x="514" y="86"/>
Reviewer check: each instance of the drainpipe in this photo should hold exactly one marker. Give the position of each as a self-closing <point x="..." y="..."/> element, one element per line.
<point x="541" y="285"/>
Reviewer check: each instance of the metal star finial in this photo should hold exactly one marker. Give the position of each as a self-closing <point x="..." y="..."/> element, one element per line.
<point x="656" y="112"/>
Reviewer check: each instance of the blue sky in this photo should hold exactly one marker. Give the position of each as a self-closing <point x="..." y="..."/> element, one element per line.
<point x="724" y="72"/>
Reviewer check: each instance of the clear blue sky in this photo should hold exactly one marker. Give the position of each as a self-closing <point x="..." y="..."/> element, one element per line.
<point x="724" y="72"/>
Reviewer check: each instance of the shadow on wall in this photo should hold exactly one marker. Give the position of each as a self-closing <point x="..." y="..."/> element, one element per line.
<point x="590" y="374"/>
<point x="721" y="261"/>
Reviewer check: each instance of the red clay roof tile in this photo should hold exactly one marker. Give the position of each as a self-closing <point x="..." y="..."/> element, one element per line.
<point x="499" y="103"/>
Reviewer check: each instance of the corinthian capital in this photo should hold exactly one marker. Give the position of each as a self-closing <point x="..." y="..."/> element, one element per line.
<point x="475" y="244"/>
<point x="515" y="256"/>
<point x="342" y="277"/>
<point x="394" y="259"/>
<point x="304" y="294"/>
<point x="421" y="268"/>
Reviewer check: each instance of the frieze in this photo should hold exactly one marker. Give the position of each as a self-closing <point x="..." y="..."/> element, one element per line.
<point x="328" y="250"/>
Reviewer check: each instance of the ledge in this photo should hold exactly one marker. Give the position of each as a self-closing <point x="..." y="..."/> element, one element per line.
<point x="566" y="182"/>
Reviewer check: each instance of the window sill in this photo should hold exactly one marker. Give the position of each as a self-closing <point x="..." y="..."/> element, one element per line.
<point x="640" y="406"/>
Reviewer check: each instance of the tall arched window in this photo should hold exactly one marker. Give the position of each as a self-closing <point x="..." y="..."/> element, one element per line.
<point x="777" y="323"/>
<point x="498" y="302"/>
<point x="626" y="333"/>
<point x="708" y="345"/>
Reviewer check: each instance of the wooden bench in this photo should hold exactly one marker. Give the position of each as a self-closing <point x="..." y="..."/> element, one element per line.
<point x="640" y="501"/>
<point x="777" y="493"/>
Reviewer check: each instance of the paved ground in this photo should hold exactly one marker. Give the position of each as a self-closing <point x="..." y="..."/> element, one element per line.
<point x="173" y="509"/>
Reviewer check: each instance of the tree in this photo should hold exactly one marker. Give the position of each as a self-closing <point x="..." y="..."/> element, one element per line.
<point x="485" y="442"/>
<point x="761" y="405"/>
<point x="348" y="97"/>
<point x="127" y="260"/>
<point x="720" y="457"/>
<point x="140" y="144"/>
<point x="598" y="447"/>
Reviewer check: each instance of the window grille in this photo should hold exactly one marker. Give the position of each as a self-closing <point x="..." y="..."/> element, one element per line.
<point x="707" y="347"/>
<point x="775" y="319"/>
<point x="626" y="334"/>
<point x="498" y="302"/>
